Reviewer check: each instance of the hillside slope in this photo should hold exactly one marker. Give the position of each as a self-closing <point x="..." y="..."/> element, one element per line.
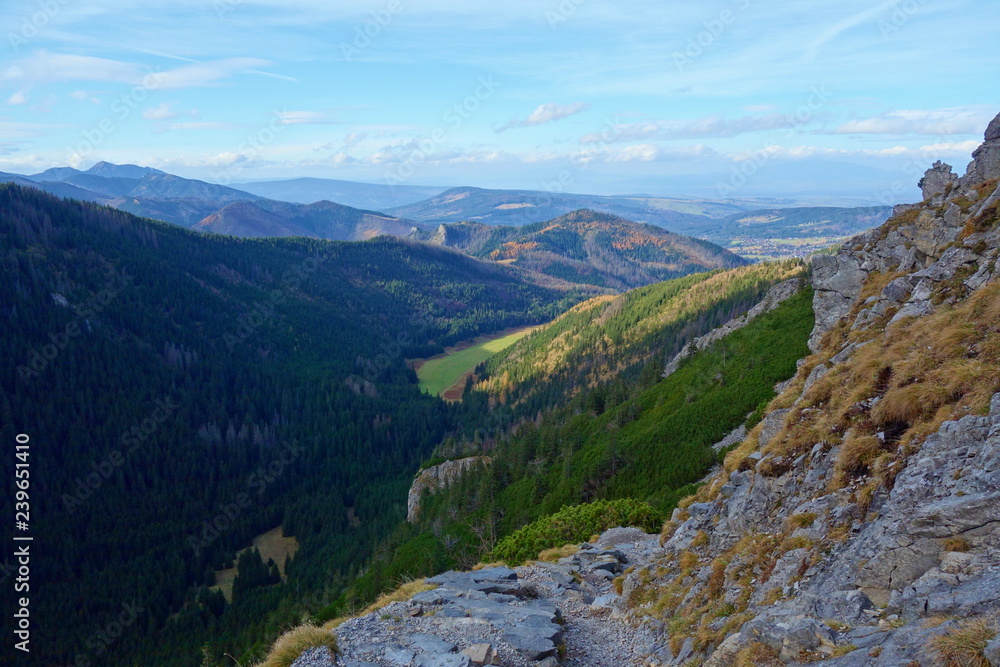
<point x="590" y="248"/>
<point x="169" y="377"/>
<point x="324" y="220"/>
<point x="521" y="207"/>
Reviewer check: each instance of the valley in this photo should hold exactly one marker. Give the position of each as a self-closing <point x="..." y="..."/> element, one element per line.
<point x="445" y="375"/>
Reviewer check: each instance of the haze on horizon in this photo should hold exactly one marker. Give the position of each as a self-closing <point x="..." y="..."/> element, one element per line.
<point x="849" y="98"/>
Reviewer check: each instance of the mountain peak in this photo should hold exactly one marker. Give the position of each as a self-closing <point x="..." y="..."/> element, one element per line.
<point x="111" y="170"/>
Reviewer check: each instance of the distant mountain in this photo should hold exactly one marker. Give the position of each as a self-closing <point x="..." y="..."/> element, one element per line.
<point x="140" y="190"/>
<point x="110" y="170"/>
<point x="521" y="207"/>
<point x="589" y="248"/>
<point x="371" y="196"/>
<point x="803" y="222"/>
<point x="55" y="174"/>
<point x="325" y="220"/>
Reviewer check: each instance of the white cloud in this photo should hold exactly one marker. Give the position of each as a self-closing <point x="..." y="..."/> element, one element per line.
<point x="304" y="118"/>
<point x="941" y="122"/>
<point x="18" y="98"/>
<point x="546" y="113"/>
<point x="165" y="111"/>
<point x="44" y="66"/>
<point x="709" y="126"/>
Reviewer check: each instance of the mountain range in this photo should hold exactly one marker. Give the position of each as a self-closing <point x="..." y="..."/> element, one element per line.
<point x="189" y="202"/>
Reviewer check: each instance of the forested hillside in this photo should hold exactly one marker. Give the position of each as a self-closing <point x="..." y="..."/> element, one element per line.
<point x="606" y="343"/>
<point x="588" y="248"/>
<point x="186" y="392"/>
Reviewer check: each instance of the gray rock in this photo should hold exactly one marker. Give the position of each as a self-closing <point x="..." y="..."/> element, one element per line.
<point x="771" y="426"/>
<point x="992" y="652"/>
<point x="936" y="180"/>
<point x="430" y="644"/>
<point x="837" y="283"/>
<point x="438" y="477"/>
<point x="444" y="660"/>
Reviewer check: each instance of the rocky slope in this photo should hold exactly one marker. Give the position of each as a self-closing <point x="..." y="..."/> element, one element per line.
<point x="857" y="524"/>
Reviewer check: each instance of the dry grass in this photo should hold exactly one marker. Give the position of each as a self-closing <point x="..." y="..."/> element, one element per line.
<point x="758" y="654"/>
<point x="963" y="645"/>
<point x="554" y="554"/>
<point x="957" y="544"/>
<point x="401" y="593"/>
<point x="294" y="643"/>
<point x="802" y="520"/>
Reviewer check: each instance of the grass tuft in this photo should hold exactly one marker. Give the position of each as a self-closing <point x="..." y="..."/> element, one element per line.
<point x="964" y="644"/>
<point x="289" y="646"/>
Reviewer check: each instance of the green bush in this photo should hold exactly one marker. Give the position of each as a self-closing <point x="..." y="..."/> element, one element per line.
<point x="575" y="524"/>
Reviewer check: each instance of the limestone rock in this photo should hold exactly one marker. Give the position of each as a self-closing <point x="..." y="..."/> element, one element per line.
<point x="937" y="179"/>
<point x="436" y="478"/>
<point x="985" y="163"/>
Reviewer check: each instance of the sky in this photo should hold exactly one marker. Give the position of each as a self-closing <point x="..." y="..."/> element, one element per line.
<point x="721" y="98"/>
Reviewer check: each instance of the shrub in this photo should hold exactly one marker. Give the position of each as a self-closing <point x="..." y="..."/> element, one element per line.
<point x="289" y="646"/>
<point x="575" y="524"/>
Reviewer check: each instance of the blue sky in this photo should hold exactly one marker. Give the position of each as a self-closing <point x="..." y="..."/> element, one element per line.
<point x="718" y="98"/>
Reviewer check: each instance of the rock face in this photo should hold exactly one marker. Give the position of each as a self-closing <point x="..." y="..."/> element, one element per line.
<point x="438" y="477"/>
<point x="985" y="165"/>
<point x="774" y="298"/>
<point x="791" y="551"/>
<point x="937" y="180"/>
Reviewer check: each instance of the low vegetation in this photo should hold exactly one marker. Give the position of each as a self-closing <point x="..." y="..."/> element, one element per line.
<point x="573" y="525"/>
<point x="963" y="645"/>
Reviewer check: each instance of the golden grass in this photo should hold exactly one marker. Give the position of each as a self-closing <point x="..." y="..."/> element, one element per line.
<point x="554" y="554"/>
<point x="963" y="645"/>
<point x="957" y="544"/>
<point x="802" y="520"/>
<point x="758" y="654"/>
<point x="294" y="643"/>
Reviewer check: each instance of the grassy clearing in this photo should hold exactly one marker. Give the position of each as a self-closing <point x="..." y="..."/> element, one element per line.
<point x="271" y="545"/>
<point x="440" y="373"/>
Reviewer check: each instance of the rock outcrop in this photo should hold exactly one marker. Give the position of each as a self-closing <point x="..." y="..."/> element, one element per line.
<point x="937" y="180"/>
<point x="436" y="478"/>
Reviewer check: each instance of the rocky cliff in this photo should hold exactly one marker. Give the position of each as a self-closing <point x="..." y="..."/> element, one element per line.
<point x="436" y="478"/>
